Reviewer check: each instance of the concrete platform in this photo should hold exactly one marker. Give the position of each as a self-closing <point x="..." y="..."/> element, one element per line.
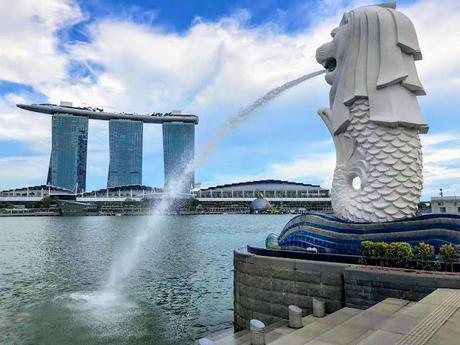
<point x="434" y="320"/>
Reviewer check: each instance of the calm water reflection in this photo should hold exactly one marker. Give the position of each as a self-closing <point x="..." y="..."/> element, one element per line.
<point x="52" y="269"/>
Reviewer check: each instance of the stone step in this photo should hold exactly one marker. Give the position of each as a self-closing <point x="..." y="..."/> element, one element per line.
<point x="274" y="330"/>
<point x="315" y="327"/>
<point x="280" y="330"/>
<point x="433" y="320"/>
<point x="359" y="327"/>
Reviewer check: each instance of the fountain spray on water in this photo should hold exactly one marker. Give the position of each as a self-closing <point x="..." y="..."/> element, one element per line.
<point x="128" y="259"/>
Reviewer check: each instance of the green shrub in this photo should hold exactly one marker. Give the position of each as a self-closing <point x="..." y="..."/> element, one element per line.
<point x="424" y="251"/>
<point x="368" y="249"/>
<point x="448" y="255"/>
<point x="400" y="253"/>
<point x="457" y="249"/>
<point x="424" y="254"/>
<point x="381" y="250"/>
<point x="376" y="250"/>
<point x="447" y="252"/>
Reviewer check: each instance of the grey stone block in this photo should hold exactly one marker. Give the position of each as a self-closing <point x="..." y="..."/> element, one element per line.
<point x="305" y="302"/>
<point x="313" y="277"/>
<point x="283" y="274"/>
<point x="283" y="285"/>
<point x="331" y="278"/>
<point x="280" y="310"/>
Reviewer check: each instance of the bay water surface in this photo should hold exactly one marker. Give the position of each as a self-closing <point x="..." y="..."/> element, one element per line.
<point x="53" y="271"/>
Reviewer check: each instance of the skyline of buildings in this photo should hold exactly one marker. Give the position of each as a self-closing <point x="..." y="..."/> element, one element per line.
<point x="68" y="159"/>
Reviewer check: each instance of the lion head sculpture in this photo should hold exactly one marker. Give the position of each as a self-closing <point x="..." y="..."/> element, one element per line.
<point x="372" y="56"/>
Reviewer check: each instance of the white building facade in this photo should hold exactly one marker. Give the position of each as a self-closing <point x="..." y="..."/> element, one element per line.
<point x="445" y="204"/>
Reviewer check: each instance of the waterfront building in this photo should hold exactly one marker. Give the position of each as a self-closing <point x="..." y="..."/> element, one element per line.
<point x="445" y="204"/>
<point x="31" y="197"/>
<point x="67" y="168"/>
<point x="119" y="194"/>
<point x="125" y="167"/>
<point x="285" y="195"/>
<point x="36" y="193"/>
<point x="179" y="154"/>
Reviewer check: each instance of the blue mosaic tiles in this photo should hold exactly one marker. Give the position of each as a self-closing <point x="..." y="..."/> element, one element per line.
<point x="329" y="234"/>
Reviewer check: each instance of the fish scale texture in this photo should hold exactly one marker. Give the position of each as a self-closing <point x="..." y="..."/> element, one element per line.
<point x="389" y="161"/>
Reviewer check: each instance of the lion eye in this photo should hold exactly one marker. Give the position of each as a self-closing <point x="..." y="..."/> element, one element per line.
<point x="334" y="32"/>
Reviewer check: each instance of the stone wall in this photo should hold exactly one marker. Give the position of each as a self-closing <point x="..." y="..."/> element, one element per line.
<point x="366" y="286"/>
<point x="265" y="286"/>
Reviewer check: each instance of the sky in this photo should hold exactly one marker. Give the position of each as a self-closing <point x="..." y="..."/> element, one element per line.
<point x="210" y="58"/>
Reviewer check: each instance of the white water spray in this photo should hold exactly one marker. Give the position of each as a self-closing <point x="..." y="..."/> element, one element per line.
<point x="244" y="114"/>
<point x="128" y="259"/>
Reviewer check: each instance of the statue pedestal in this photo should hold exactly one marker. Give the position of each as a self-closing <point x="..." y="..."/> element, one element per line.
<point x="329" y="234"/>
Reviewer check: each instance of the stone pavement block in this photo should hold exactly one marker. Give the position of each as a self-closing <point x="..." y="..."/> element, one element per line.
<point x="419" y="309"/>
<point x="396" y="301"/>
<point x="401" y="324"/>
<point x="342" y="335"/>
<point x="318" y="342"/>
<point x="449" y="333"/>
<point x="437" y="297"/>
<point x="381" y="338"/>
<point x="386" y="308"/>
<point x="303" y="335"/>
<point x="340" y="316"/>
<point x="366" y="320"/>
<point x="361" y="337"/>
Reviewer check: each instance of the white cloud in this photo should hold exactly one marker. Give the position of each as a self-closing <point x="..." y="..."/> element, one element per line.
<point x="28" y="41"/>
<point x="441" y="168"/>
<point x="23" y="171"/>
<point x="438" y="25"/>
<point x="32" y="129"/>
<point x="213" y="69"/>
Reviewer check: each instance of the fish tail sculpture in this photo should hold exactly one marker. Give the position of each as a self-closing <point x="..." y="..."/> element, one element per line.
<point x="374" y="116"/>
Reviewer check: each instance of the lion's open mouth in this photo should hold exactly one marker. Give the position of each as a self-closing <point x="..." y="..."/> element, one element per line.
<point x="330" y="64"/>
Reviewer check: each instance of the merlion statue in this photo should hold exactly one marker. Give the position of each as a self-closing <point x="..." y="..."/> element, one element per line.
<point x="374" y="116"/>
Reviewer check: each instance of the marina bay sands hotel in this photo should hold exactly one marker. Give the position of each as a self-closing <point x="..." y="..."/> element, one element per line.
<point x="67" y="167"/>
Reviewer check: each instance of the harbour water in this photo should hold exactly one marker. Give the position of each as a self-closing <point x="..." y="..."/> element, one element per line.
<point x="52" y="270"/>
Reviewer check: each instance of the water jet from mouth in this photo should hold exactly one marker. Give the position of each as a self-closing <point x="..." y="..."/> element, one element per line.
<point x="128" y="259"/>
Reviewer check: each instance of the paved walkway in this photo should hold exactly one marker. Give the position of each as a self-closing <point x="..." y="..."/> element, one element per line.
<point x="434" y="320"/>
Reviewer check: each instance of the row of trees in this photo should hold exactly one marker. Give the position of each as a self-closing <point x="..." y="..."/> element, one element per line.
<point x="402" y="254"/>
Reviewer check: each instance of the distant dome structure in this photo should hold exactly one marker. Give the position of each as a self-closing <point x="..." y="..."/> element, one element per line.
<point x="260" y="205"/>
